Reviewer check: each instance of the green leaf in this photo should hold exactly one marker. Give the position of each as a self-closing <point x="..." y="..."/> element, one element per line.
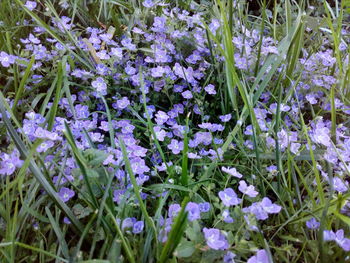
<point x="185" y="249"/>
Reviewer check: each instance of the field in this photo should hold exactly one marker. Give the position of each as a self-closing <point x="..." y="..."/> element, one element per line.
<point x="174" y="131"/>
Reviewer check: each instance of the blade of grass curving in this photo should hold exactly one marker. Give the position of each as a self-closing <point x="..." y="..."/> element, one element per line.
<point x="126" y="245"/>
<point x="137" y="190"/>
<point x="82" y="163"/>
<point x="35" y="169"/>
<point x="23" y="82"/>
<point x="175" y="234"/>
<point x="53" y="109"/>
<point x="184" y="172"/>
<point x="60" y="238"/>
<point x="34" y="249"/>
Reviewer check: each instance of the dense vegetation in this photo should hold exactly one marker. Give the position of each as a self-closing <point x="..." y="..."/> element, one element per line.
<point x="174" y="131"/>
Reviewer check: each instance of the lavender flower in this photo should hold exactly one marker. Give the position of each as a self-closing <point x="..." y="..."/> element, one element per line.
<point x="148" y="3"/>
<point x="247" y="190"/>
<point x="260" y="257"/>
<point x="66" y="194"/>
<point x="100" y="85"/>
<point x="9" y="163"/>
<point x="225" y="118"/>
<point x="193" y="211"/>
<point x="175" y="146"/>
<point x="30" y="5"/>
<point x="138" y="227"/>
<point x="226" y="216"/>
<point x="338" y="237"/>
<point x="210" y="89"/>
<point x="232" y="171"/>
<point x="229" y="197"/>
<point x="215" y="239"/>
<point x="312" y="223"/>
<point x="6" y="59"/>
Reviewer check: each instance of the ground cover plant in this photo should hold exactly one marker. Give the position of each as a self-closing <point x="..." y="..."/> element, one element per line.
<point x="174" y="131"/>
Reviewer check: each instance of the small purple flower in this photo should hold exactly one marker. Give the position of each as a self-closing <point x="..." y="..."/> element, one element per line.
<point x="338" y="237"/>
<point x="229" y="197"/>
<point x="44" y="146"/>
<point x="66" y="221"/>
<point x="66" y="194"/>
<point x="229" y="257"/>
<point x="148" y="3"/>
<point x="161" y="117"/>
<point x="30" y="5"/>
<point x="127" y="42"/>
<point x="10" y="162"/>
<point x="226" y="216"/>
<point x="175" y="146"/>
<point x="123" y="103"/>
<point x="225" y="118"/>
<point x="260" y="257"/>
<point x="6" y="59"/>
<point x="138" y="227"/>
<point x="210" y="89"/>
<point x="159" y="24"/>
<point x="232" y="171"/>
<point x="269" y="207"/>
<point x="312" y="223"/>
<point x="100" y="85"/>
<point x="128" y="222"/>
<point x="187" y="94"/>
<point x="193" y="211"/>
<point x="247" y="190"/>
<point x="204" y="207"/>
<point x="174" y="209"/>
<point x="215" y="239"/>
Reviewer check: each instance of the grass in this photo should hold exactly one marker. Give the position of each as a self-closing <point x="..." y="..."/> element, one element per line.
<point x="96" y="233"/>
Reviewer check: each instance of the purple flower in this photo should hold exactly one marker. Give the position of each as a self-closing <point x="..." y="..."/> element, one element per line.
<point x="6" y="59"/>
<point x="229" y="257"/>
<point x="44" y="146"/>
<point x="160" y="133"/>
<point x="229" y="197"/>
<point x="159" y="24"/>
<point x="161" y="117"/>
<point x="123" y="103"/>
<point x="66" y="194"/>
<point x="312" y="223"/>
<point x="187" y="94"/>
<point x="204" y="207"/>
<point x="262" y="209"/>
<point x="226" y="216"/>
<point x="215" y="239"/>
<point x="338" y="237"/>
<point x="138" y="227"/>
<point x="175" y="146"/>
<point x="193" y="211"/>
<point x="269" y="207"/>
<point x="247" y="190"/>
<point x="66" y="221"/>
<point x="260" y="257"/>
<point x="128" y="222"/>
<point x="30" y="5"/>
<point x="10" y="162"/>
<point x="225" y="118"/>
<point x="139" y="166"/>
<point x="148" y="3"/>
<point x="174" y="209"/>
<point x="210" y="89"/>
<point x="100" y="85"/>
<point x="127" y="42"/>
<point x="232" y="171"/>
